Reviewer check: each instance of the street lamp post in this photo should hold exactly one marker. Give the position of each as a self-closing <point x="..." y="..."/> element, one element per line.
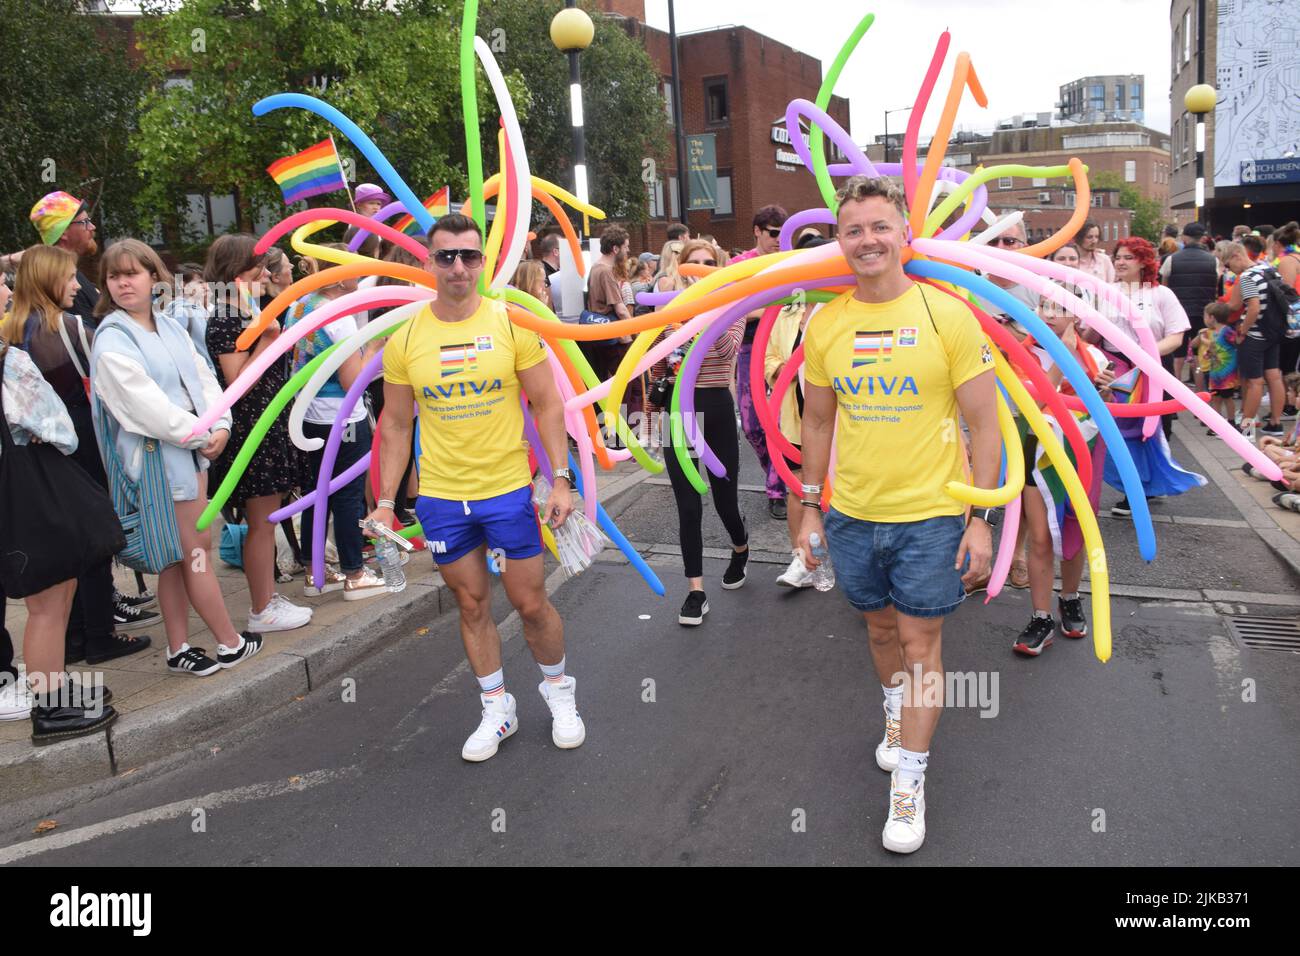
<point x="901" y="109"/>
<point x="1199" y="100"/>
<point x="572" y="32"/>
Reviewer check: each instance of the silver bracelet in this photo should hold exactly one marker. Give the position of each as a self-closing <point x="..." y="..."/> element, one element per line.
<point x="386" y="503"/>
<point x="811" y="489"/>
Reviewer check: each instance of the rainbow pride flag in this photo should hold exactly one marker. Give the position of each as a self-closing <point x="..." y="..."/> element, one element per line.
<point x="314" y="171"/>
<point x="868" y="349"/>
<point x="454" y="359"/>
<point x="439" y="204"/>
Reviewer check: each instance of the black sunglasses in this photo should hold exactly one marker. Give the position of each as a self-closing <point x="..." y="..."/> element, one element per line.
<point x="773" y="231"/>
<point x="446" y="258"/>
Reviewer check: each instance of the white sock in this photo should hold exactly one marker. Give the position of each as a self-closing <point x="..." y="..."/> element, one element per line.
<point x="1045" y="615"/>
<point x="183" y="648"/>
<point x="893" y="701"/>
<point x="237" y="647"/>
<point x="1074" y="596"/>
<point x="911" y="768"/>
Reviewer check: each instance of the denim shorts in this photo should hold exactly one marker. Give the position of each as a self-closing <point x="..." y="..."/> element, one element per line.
<point x="455" y="528"/>
<point x="907" y="564"/>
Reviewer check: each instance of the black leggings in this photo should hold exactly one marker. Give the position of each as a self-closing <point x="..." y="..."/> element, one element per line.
<point x="718" y="412"/>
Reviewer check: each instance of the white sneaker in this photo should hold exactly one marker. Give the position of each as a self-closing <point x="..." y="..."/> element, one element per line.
<point x="905" y="827"/>
<point x="498" y="723"/>
<point x="887" y="749"/>
<point x="279" y="615"/>
<point x="15" y="699"/>
<point x="796" y="575"/>
<point x="567" y="729"/>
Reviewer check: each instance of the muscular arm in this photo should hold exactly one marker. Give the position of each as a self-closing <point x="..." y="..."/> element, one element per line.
<point x="395" y="438"/>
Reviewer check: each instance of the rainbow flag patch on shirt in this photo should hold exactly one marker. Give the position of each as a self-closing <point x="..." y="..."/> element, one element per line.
<point x="870" y="348"/>
<point x="454" y="359"/>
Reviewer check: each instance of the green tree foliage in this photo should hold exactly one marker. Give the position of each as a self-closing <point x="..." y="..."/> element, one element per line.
<point x="624" y="114"/>
<point x="67" y="107"/>
<point x="390" y="65"/>
<point x="1148" y="216"/>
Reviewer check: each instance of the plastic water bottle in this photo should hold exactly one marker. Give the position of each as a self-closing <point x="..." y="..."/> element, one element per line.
<point x="390" y="564"/>
<point x="824" y="575"/>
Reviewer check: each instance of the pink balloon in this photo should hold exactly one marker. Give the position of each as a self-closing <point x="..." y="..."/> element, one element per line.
<point x="1006" y="546"/>
<point x="359" y="301"/>
<point x="966" y="254"/>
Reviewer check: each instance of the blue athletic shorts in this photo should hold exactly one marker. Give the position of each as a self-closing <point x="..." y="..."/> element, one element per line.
<point x="907" y="564"/>
<point x="455" y="528"/>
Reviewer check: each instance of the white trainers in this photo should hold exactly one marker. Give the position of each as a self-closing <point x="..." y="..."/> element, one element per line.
<point x="367" y="585"/>
<point x="15" y="699"/>
<point x="887" y="749"/>
<point x="279" y="615"/>
<point x="796" y="575"/>
<point x="498" y="723"/>
<point x="905" y="827"/>
<point x="567" y="729"/>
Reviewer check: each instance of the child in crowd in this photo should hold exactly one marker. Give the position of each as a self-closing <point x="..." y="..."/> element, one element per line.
<point x="1217" y="343"/>
<point x="149" y="377"/>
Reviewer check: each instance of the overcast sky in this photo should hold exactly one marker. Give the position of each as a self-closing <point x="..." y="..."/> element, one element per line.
<point x="1022" y="50"/>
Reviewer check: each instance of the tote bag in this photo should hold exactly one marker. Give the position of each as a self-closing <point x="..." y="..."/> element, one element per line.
<point x="56" y="522"/>
<point x="153" y="540"/>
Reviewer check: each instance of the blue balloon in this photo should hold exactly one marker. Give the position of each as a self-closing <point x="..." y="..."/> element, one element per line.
<point x="358" y="139"/>
<point x="607" y="525"/>
<point x="1077" y="377"/>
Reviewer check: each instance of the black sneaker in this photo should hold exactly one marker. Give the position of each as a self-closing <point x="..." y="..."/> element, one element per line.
<point x="228" y="658"/>
<point x="776" y="508"/>
<point x="1272" y="429"/>
<point x="192" y="661"/>
<point x="1073" y="623"/>
<point x="119" y="645"/>
<point x="141" y="602"/>
<point x="1121" y="508"/>
<point x="127" y="618"/>
<point x="693" y="611"/>
<point x="735" y="573"/>
<point x="1036" y="637"/>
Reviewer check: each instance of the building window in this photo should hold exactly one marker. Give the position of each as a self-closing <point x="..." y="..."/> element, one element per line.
<point x="673" y="204"/>
<point x="1005" y="183"/>
<point x="1040" y="181"/>
<point x="1178" y="45"/>
<point x="667" y="90"/>
<point x="655" y="199"/>
<point x="1105" y="232"/>
<point x="1187" y="36"/>
<point x="1098" y="200"/>
<point x="1130" y="171"/>
<point x="717" y="111"/>
<point x="724" y="210"/>
<point x="1119" y="96"/>
<point x="1187" y="136"/>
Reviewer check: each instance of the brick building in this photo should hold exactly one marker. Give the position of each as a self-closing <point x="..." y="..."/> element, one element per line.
<point x="736" y="84"/>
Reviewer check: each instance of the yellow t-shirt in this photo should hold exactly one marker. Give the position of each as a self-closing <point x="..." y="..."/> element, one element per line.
<point x="894" y="368"/>
<point x="463" y="377"/>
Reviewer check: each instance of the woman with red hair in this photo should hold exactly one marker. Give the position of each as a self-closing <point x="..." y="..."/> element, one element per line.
<point x="1136" y="269"/>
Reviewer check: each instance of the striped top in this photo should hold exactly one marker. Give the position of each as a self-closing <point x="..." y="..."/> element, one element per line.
<point x="718" y="370"/>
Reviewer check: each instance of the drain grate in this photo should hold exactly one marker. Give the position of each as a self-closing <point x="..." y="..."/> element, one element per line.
<point x="1266" y="633"/>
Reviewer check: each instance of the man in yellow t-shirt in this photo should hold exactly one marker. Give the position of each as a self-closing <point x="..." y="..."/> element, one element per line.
<point x="894" y="364"/>
<point x="462" y="363"/>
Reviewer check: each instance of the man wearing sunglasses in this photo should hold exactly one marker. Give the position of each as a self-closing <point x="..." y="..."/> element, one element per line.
<point x="62" y="220"/>
<point x="463" y="362"/>
<point x="1015" y="240"/>
<point x="767" y="239"/>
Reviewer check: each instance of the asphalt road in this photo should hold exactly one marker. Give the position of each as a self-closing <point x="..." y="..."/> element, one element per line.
<point x="753" y="743"/>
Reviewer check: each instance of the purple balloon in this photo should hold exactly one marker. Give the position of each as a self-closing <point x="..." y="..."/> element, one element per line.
<point x="374" y="368"/>
<point x="656" y="299"/>
<point x="691" y="368"/>
<point x="800" y="219"/>
<point x="382" y="216"/>
<point x="358" y="467"/>
<point x="858" y="163"/>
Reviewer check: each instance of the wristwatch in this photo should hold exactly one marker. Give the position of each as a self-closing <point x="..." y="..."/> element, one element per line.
<point x="567" y="475"/>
